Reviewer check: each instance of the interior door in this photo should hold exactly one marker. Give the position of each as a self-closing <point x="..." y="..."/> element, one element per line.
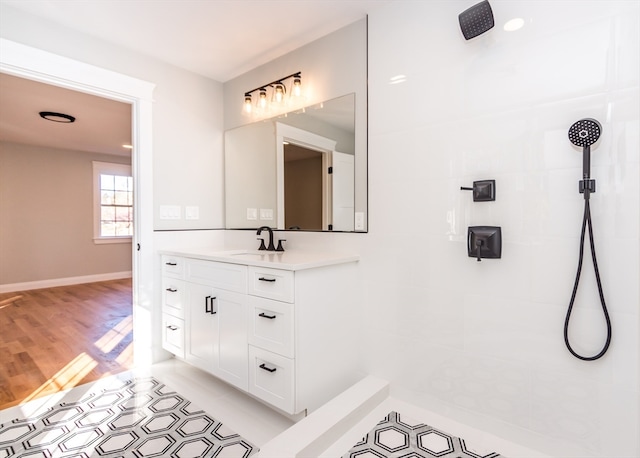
<point x="343" y="191"/>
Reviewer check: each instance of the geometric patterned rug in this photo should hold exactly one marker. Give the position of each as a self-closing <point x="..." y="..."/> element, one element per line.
<point x="396" y="437"/>
<point x="141" y="417"/>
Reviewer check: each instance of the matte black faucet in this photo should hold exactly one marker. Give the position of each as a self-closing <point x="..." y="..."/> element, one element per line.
<point x="271" y="246"/>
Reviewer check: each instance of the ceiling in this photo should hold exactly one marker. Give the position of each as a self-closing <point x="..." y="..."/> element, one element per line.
<point x="219" y="39"/>
<point x="101" y="126"/>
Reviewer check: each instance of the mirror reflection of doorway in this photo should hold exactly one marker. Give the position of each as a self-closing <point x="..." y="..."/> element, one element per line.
<point x="318" y="189"/>
<point x="303" y="174"/>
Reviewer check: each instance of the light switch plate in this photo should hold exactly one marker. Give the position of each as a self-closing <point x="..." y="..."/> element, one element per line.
<point x="170" y="212"/>
<point x="266" y="213"/>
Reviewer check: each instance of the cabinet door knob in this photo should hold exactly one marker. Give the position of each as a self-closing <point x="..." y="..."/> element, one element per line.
<point x="267" y="279"/>
<point x="270" y="317"/>
<point x="268" y="369"/>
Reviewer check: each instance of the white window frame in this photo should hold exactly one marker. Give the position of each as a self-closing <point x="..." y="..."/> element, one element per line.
<point x="106" y="168"/>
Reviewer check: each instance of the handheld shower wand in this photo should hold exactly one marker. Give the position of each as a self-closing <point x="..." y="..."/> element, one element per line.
<point x="585" y="133"/>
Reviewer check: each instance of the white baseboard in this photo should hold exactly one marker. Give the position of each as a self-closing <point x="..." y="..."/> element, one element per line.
<point x="52" y="283"/>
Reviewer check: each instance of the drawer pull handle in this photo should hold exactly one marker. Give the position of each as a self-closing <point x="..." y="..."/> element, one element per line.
<point x="172" y="290"/>
<point x="172" y="328"/>
<point x="268" y="369"/>
<point x="267" y="279"/>
<point x="171" y="263"/>
<point x="270" y="317"/>
<point x="208" y="305"/>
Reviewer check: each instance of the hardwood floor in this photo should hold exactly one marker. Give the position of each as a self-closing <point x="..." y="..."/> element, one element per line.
<point x="56" y="338"/>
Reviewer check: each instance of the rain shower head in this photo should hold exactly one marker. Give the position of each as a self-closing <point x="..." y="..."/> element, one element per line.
<point x="476" y="20"/>
<point x="585" y="132"/>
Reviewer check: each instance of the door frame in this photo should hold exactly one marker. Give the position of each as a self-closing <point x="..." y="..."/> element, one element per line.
<point x="35" y="64"/>
<point x="285" y="132"/>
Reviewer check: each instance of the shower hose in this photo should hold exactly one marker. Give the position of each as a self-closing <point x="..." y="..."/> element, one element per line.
<point x="586" y="222"/>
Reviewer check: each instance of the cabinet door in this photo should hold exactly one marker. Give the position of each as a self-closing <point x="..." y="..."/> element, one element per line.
<point x="202" y="328"/>
<point x="233" y="353"/>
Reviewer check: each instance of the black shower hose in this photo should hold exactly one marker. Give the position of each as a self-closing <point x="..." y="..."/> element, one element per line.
<point x="586" y="222"/>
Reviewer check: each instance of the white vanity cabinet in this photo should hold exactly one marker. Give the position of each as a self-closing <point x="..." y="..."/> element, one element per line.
<point x="284" y="331"/>
<point x="213" y="312"/>
<point x="173" y="305"/>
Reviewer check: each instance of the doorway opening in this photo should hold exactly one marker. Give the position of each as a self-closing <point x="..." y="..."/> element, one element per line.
<point x="37" y="65"/>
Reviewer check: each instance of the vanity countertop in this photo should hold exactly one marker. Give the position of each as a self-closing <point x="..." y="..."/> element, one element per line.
<point x="286" y="260"/>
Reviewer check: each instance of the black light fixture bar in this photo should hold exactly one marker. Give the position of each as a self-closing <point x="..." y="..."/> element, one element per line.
<point x="273" y="83"/>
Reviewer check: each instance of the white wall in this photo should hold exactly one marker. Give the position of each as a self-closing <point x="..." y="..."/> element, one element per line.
<point x="46" y="227"/>
<point x="187" y="117"/>
<point x="482" y="342"/>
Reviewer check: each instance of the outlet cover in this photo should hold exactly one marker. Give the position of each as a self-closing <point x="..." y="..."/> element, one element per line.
<point x="359" y="221"/>
<point x="252" y="213"/>
<point x="192" y="212"/>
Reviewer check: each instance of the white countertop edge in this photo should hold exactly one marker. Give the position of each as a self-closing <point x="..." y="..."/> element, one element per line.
<point x="287" y="260"/>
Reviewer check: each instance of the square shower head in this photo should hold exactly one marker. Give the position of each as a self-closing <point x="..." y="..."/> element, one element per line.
<point x="476" y="20"/>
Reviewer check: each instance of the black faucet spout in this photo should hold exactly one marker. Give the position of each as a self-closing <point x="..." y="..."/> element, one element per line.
<point x="271" y="246"/>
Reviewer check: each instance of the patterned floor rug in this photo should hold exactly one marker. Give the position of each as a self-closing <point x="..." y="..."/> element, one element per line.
<point x="396" y="437"/>
<point x="141" y="417"/>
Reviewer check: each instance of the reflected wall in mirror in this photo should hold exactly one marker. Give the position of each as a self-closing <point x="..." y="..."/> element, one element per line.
<point x="295" y="171"/>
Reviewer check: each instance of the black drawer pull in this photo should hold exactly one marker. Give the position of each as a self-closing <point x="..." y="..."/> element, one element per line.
<point x="208" y="305"/>
<point x="270" y="317"/>
<point x="171" y="263"/>
<point x="268" y="369"/>
<point x="172" y="328"/>
<point x="172" y="290"/>
<point x="267" y="279"/>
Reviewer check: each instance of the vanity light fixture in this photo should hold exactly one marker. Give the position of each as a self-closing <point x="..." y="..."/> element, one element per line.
<point x="57" y="117"/>
<point x="278" y="92"/>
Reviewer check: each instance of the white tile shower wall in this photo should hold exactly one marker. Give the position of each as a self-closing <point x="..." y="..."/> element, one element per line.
<point x="482" y="342"/>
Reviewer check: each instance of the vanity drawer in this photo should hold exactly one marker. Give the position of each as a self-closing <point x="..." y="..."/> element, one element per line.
<point x="271" y="283"/>
<point x="173" y="334"/>
<point x="172" y="266"/>
<point x="271" y="325"/>
<point x="231" y="277"/>
<point x="271" y="378"/>
<point x="173" y="296"/>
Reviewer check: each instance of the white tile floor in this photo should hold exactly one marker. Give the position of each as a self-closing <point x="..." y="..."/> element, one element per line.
<point x="246" y="416"/>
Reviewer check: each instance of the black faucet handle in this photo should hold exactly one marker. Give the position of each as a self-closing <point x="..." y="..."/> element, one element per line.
<point x="280" y="248"/>
<point x="262" y="247"/>
<point x="479" y="244"/>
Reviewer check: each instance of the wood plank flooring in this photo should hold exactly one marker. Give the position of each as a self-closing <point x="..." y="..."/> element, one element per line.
<point x="56" y="338"/>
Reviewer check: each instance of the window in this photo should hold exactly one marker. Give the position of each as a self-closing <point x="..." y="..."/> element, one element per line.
<point x="113" y="202"/>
